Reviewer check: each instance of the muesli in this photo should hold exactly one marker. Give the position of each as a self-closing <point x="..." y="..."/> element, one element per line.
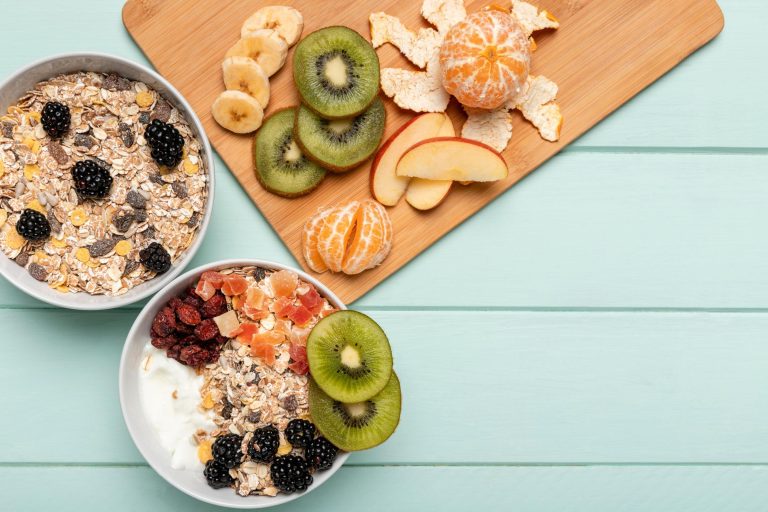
<point x="102" y="183"/>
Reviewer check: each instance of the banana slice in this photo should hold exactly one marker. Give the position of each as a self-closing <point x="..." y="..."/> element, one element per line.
<point x="264" y="47"/>
<point x="237" y="112"/>
<point x="286" y="21"/>
<point x="244" y="74"/>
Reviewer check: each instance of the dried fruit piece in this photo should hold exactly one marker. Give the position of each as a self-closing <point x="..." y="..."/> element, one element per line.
<point x="78" y="217"/>
<point x="145" y="99"/>
<point x="284" y="283"/>
<point x="234" y="285"/>
<point x="215" y="306"/>
<point x="164" y="323"/>
<point x="206" y="330"/>
<point x="204" y="451"/>
<point x="188" y="314"/>
<point x="123" y="247"/>
<point x="227" y="323"/>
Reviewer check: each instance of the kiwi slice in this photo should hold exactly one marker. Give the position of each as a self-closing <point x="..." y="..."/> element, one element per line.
<point x="356" y="426"/>
<point x="336" y="72"/>
<point x="340" y="144"/>
<point x="281" y="167"/>
<point x="349" y="356"/>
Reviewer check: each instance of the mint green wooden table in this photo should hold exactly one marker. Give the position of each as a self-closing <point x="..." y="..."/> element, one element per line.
<point x="595" y="340"/>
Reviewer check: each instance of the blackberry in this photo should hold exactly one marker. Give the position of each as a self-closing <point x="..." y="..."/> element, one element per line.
<point x="55" y="119"/>
<point x="320" y="453"/>
<point x="226" y="450"/>
<point x="33" y="225"/>
<point x="165" y="143"/>
<point x="92" y="181"/>
<point x="299" y="433"/>
<point x="155" y="258"/>
<point x="217" y="475"/>
<point x="290" y="473"/>
<point x="264" y="443"/>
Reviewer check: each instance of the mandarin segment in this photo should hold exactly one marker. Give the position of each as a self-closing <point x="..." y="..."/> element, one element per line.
<point x="309" y="239"/>
<point x="335" y="234"/>
<point x="367" y="241"/>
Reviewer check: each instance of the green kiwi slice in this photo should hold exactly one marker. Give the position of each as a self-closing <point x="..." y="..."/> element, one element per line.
<point x="349" y="356"/>
<point x="357" y="426"/>
<point x="336" y="71"/>
<point x="341" y="144"/>
<point x="281" y="167"/>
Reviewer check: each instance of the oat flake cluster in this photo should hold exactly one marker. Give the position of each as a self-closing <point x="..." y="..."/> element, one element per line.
<point x="95" y="243"/>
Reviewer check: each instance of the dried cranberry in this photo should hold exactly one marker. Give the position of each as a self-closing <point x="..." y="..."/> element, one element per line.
<point x="174" y="303"/>
<point x="174" y="352"/>
<point x="206" y="330"/>
<point x="193" y="300"/>
<point x="164" y="323"/>
<point x="188" y="314"/>
<point x="189" y="340"/>
<point x="215" y="306"/>
<point x="184" y="329"/>
<point x="220" y="340"/>
<point x="194" y="355"/>
<point x="164" y="343"/>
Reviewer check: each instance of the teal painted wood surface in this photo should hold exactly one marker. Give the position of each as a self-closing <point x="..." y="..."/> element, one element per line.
<point x="594" y="340"/>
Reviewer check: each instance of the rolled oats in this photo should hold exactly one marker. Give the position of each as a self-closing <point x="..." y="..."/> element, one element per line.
<point x="107" y="126"/>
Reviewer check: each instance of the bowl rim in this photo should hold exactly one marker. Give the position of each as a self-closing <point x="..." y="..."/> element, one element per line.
<point x="150" y="308"/>
<point x="144" y="290"/>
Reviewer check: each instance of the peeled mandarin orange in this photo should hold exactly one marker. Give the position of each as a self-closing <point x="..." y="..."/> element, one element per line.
<point x="335" y="234"/>
<point x="366" y="242"/>
<point x="310" y="238"/>
<point x="485" y="59"/>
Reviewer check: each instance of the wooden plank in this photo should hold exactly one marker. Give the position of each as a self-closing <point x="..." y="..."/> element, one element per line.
<point x="518" y="387"/>
<point x="448" y="489"/>
<point x="597" y="66"/>
<point x="660" y="116"/>
<point x="649" y="231"/>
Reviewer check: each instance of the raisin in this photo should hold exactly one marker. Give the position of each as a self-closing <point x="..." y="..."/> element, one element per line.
<point x="206" y="330"/>
<point x="164" y="343"/>
<point x="215" y="306"/>
<point x="193" y="220"/>
<point x="57" y="152"/>
<point x="54" y="222"/>
<point x="290" y="404"/>
<point x="179" y="189"/>
<point x="130" y="266"/>
<point x="22" y="259"/>
<point x="254" y="417"/>
<point x="226" y="412"/>
<point x="126" y="134"/>
<point x="136" y="199"/>
<point x="37" y="272"/>
<point x="101" y="248"/>
<point x="144" y="118"/>
<point x="7" y="129"/>
<point x="84" y="140"/>
<point x="164" y="323"/>
<point x="162" y="110"/>
<point x="259" y="274"/>
<point x="123" y="222"/>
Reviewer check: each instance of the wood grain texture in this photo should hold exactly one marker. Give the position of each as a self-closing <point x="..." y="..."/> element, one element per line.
<point x="413" y="489"/>
<point x="586" y="230"/>
<point x="528" y="388"/>
<point x="605" y="53"/>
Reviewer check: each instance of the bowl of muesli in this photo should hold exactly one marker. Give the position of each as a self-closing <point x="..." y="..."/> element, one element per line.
<point x="214" y="384"/>
<point x="106" y="181"/>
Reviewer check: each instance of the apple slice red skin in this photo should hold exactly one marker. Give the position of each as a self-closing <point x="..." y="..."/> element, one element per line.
<point x="457" y="139"/>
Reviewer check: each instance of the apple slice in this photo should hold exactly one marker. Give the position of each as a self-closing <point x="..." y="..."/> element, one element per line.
<point x="386" y="186"/>
<point x="427" y="194"/>
<point x="452" y="158"/>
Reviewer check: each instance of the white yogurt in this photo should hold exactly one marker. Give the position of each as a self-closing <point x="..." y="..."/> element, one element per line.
<point x="170" y="396"/>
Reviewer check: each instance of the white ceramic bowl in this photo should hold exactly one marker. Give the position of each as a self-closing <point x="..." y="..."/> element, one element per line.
<point x="25" y="79"/>
<point x="192" y="482"/>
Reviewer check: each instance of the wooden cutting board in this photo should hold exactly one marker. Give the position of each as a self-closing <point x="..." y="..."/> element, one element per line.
<point x="605" y="52"/>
